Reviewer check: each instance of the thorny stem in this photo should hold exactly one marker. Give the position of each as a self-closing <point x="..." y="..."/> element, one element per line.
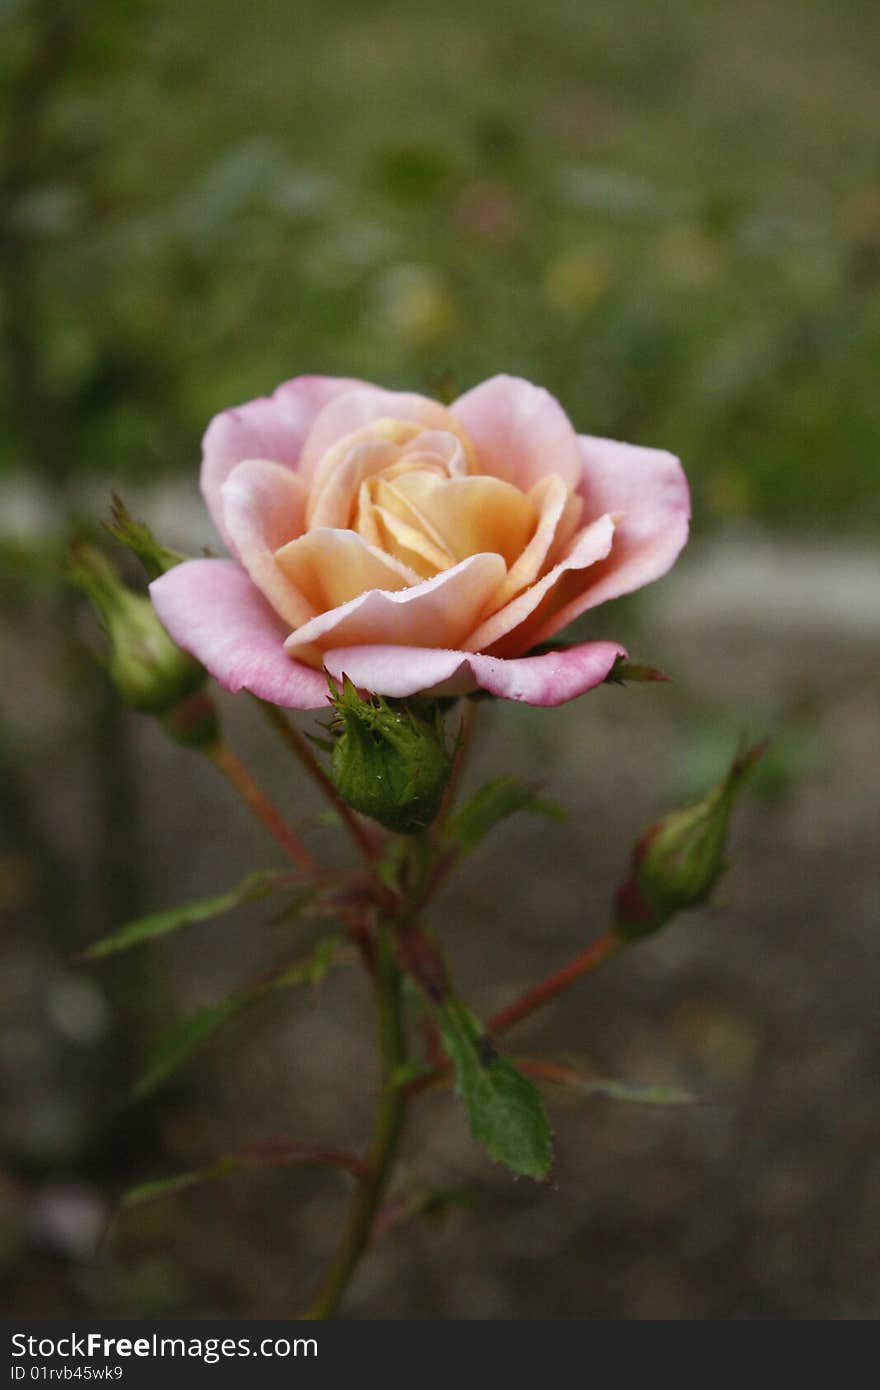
<point x="252" y="794"/>
<point x="380" y="1156"/>
<point x="368" y="844"/>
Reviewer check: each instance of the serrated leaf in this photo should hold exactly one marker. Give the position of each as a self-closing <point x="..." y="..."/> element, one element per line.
<point x="494" y="802"/>
<point x="192" y="1032"/>
<point x="505" y="1110"/>
<point x="254" y="885"/>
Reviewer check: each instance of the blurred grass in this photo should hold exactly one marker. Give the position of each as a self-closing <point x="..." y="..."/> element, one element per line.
<point x="668" y="215"/>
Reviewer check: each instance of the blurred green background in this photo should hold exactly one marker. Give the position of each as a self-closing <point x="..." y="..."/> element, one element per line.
<point x="669" y="215"/>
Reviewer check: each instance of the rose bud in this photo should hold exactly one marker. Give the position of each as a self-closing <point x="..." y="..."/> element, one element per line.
<point x="150" y="672"/>
<point x="390" y="761"/>
<point x="677" y="862"/>
<point x="155" y="557"/>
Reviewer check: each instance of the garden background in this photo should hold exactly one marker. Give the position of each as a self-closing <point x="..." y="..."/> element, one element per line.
<point x="669" y="216"/>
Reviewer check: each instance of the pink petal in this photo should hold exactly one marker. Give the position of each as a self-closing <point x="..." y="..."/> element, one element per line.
<point x="270" y="427"/>
<point x="647" y="488"/>
<point x="356" y="409"/>
<point x="520" y="432"/>
<point x="438" y="612"/>
<point x="264" y="508"/>
<point x="550" y="679"/>
<point x="212" y="609"/>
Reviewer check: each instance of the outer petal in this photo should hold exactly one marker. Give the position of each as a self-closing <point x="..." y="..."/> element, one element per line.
<point x="520" y="432"/>
<point x="649" y="490"/>
<point x="264" y="508"/>
<point x="438" y="612"/>
<point x="270" y="427"/>
<point x="550" y="679"/>
<point x="212" y="609"/>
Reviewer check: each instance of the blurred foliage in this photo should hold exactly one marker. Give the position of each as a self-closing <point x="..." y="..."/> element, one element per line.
<point x="668" y="215"/>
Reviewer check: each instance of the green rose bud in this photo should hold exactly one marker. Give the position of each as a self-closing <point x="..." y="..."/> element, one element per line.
<point x="677" y="862"/>
<point x="390" y="760"/>
<point x="155" y="557"/>
<point x="150" y="672"/>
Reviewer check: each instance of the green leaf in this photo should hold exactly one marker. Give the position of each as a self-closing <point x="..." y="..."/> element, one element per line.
<point x="494" y="802"/>
<point x="505" y="1110"/>
<point x="279" y="1153"/>
<point x="169" y="1187"/>
<point x="186" y="1037"/>
<point x="635" y="1095"/>
<point x="604" y="1088"/>
<point x="255" y="885"/>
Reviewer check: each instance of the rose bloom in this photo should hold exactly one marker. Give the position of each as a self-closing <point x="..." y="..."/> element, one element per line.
<point x="416" y="547"/>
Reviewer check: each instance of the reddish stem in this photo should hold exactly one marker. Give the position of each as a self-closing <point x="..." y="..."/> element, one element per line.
<point x="600" y="951"/>
<point x="367" y="841"/>
<point x="252" y="794"/>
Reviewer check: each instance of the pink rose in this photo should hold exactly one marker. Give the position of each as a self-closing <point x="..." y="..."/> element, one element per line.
<point x="416" y="547"/>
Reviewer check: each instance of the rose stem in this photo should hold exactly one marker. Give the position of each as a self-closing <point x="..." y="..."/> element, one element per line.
<point x="252" y="794"/>
<point x="443" y="862"/>
<point x="382" y="1150"/>
<point x="299" y="747"/>
<point x="595" y="955"/>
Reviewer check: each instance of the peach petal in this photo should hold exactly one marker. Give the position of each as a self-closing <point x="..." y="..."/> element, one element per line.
<point x="411" y="544"/>
<point x="270" y="427"/>
<point x="332" y="567"/>
<point x="355" y="410"/>
<point x="438" y="612"/>
<point x="550" y="497"/>
<point x="469" y="515"/>
<point x="339" y="476"/>
<point x="592" y="545"/>
<point x="438" y="446"/>
<point x="264" y="507"/>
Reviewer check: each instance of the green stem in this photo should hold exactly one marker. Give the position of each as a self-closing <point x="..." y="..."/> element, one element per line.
<point x="390" y="1114"/>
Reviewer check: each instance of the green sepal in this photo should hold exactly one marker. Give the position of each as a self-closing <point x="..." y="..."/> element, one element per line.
<point x="390" y="758"/>
<point x="155" y="557"/>
<point x="494" y="802"/>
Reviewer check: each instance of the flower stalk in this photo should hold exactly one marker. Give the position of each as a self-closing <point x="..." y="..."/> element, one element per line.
<point x="390" y="1114"/>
